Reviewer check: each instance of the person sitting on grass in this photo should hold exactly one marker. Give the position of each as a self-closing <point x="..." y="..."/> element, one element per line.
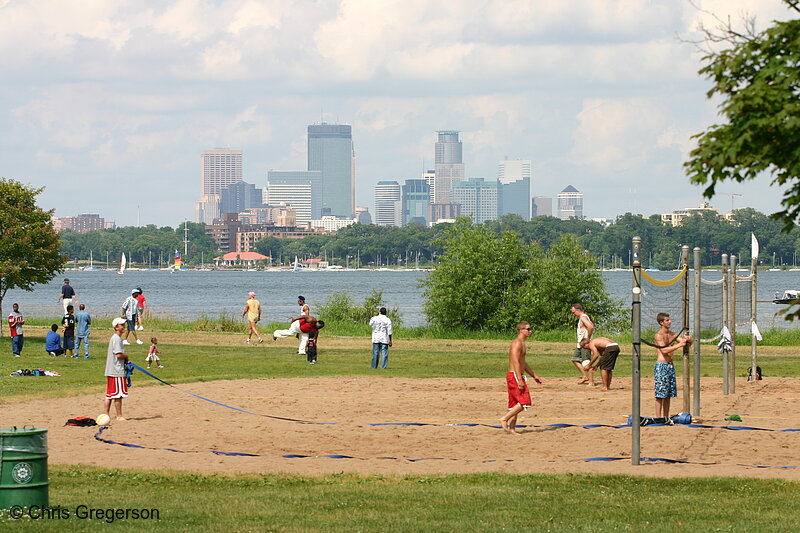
<point x="52" y="343"/>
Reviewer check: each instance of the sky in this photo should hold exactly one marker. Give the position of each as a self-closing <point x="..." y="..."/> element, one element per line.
<point x="108" y="104"/>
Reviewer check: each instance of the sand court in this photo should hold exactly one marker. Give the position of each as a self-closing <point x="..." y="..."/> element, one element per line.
<point x="364" y="418"/>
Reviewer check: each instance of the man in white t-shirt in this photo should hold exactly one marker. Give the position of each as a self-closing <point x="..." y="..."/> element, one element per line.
<point x="381" y="338"/>
<point x="116" y="386"/>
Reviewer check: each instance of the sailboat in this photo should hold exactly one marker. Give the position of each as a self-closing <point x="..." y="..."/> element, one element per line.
<point x="122" y="264"/>
<point x="296" y="267"/>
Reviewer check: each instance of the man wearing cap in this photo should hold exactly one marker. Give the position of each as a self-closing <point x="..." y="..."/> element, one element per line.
<point x="116" y="387"/>
<point x="129" y="310"/>
<point x="67" y="295"/>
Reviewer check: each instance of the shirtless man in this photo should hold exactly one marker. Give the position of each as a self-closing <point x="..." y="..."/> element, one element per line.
<point x="584" y="330"/>
<point x="667" y="342"/>
<point x="519" y="396"/>
<point x="606" y="351"/>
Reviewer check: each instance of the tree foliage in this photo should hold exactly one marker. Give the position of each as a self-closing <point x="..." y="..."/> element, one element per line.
<point x="489" y="281"/>
<point x="758" y="81"/>
<point x="29" y="246"/>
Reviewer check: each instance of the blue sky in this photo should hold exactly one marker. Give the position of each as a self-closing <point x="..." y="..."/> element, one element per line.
<point x="108" y="104"/>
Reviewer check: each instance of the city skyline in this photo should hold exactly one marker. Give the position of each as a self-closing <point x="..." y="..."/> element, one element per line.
<point x="107" y="105"/>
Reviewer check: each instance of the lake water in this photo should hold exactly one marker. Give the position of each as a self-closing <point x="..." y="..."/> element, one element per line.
<point x="187" y="294"/>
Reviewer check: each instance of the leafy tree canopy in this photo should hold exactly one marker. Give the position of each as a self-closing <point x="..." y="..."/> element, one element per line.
<point x="758" y="81"/>
<point x="29" y="246"/>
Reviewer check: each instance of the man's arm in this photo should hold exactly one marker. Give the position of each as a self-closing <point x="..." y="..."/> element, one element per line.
<point x="532" y="374"/>
<point x="595" y="353"/>
<point x="515" y="362"/>
<point x="666" y="350"/>
<point x="589" y="325"/>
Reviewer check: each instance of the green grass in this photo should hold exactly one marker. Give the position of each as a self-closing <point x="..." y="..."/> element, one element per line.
<point x="450" y="358"/>
<point x="473" y="502"/>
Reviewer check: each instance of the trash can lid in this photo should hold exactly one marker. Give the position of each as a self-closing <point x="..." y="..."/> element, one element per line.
<point x="21" y="431"/>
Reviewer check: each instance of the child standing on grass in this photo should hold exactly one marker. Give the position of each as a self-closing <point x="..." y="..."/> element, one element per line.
<point x="152" y="355"/>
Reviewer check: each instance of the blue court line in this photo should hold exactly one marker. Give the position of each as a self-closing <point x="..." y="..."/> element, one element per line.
<point x="98" y="437"/>
<point x="676" y="461"/>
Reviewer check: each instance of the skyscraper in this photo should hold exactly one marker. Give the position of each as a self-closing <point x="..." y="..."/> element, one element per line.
<point x="387" y="201"/>
<point x="219" y="168"/>
<point x="514" y="176"/>
<point x="570" y="203"/>
<point x="541" y="206"/>
<point x="416" y="202"/>
<point x="239" y="196"/>
<point x="480" y="199"/>
<point x="449" y="165"/>
<point x="285" y="179"/>
<point x="330" y="151"/>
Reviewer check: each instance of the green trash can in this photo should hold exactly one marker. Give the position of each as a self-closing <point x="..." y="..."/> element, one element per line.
<point x="23" y="467"/>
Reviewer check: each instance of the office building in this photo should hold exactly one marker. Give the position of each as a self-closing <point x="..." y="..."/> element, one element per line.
<point x="330" y="151"/>
<point x="286" y="180"/>
<point x="541" y="206"/>
<point x="514" y="176"/>
<point x="80" y="224"/>
<point x="480" y="199"/>
<point x="416" y="202"/>
<point x="332" y="224"/>
<point x="676" y="218"/>
<point x="239" y="196"/>
<point x="444" y="212"/>
<point x="570" y="203"/>
<point x="219" y="168"/>
<point x="430" y="178"/>
<point x="387" y="200"/>
<point x="297" y="197"/>
<point x="207" y="209"/>
<point x="449" y="165"/>
<point x="363" y="216"/>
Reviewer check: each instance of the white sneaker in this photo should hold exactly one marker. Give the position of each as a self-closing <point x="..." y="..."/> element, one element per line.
<point x="125" y="342"/>
<point x="247" y="341"/>
<point x="140" y="328"/>
<point x="139" y="341"/>
<point x="160" y="366"/>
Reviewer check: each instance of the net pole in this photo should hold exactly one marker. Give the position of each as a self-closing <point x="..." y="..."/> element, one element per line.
<point x="636" y="351"/>
<point x="753" y="310"/>
<point x="732" y="362"/>
<point x="697" y="333"/>
<point x="687" y="393"/>
<point x="725" y="322"/>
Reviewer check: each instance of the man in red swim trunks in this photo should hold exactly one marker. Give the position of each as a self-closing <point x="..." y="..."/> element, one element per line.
<point x="519" y="396"/>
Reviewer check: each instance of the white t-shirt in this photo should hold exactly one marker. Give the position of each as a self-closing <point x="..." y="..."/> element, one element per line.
<point x="581" y="329"/>
<point x="115" y="368"/>
<point x="381" y="328"/>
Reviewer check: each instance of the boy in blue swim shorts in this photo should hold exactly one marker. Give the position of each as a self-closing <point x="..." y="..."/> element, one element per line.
<point x="666" y="385"/>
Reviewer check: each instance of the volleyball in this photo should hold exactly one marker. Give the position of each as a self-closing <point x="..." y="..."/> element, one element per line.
<point x="103" y="419"/>
<point x="586" y="363"/>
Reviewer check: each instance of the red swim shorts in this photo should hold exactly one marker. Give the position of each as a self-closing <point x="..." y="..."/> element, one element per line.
<point x="116" y="388"/>
<point x="515" y="396"/>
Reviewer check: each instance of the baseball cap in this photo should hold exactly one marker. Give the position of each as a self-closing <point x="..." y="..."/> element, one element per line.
<point x="66" y="280"/>
<point x="135" y="291"/>
<point x="117" y="321"/>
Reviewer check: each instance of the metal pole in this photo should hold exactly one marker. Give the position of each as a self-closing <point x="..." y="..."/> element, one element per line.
<point x="732" y="362"/>
<point x="697" y="333"/>
<point x="687" y="393"/>
<point x="636" y="334"/>
<point x="725" y="322"/>
<point x="753" y="314"/>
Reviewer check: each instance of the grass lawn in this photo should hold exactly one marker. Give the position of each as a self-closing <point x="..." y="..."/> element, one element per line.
<point x="349" y="502"/>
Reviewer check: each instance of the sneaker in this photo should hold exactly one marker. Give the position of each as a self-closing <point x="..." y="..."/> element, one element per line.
<point x="139" y="341"/>
<point x="260" y="340"/>
<point x="247" y="341"/>
<point x="75" y="356"/>
<point x="160" y="366"/>
<point x="140" y="328"/>
<point x="52" y="354"/>
<point x="311" y="362"/>
<point x="16" y="355"/>
<point x="274" y="338"/>
<point x="86" y="357"/>
<point x="125" y="342"/>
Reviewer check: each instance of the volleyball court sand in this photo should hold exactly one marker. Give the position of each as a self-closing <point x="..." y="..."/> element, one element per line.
<point x="162" y="417"/>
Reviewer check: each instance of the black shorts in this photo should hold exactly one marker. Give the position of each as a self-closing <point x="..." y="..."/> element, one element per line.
<point x="609" y="357"/>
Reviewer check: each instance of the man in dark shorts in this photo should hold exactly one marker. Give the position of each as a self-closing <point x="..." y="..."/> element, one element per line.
<point x="519" y="397"/>
<point x="68" y="321"/>
<point x="606" y="351"/>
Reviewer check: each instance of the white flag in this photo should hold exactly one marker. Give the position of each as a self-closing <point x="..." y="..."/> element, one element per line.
<point x="753" y="247"/>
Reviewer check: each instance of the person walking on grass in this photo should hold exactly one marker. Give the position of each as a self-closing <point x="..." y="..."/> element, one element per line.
<point x="15" y="322"/>
<point x="252" y="309"/>
<point x="129" y="310"/>
<point x="606" y="351"/>
<point x="141" y="305"/>
<point x="584" y="330"/>
<point x="116" y="386"/>
<point x="519" y="396"/>
<point x="83" y="321"/>
<point x="381" y="338"/>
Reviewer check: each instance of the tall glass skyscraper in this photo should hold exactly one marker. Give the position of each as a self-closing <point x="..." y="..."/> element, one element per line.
<point x="330" y="151"/>
<point x="449" y="165"/>
<point x="570" y="203"/>
<point x="514" y="176"/>
<point x="388" y="204"/>
<point x="286" y="179"/>
<point x="416" y="202"/>
<point x="480" y="199"/>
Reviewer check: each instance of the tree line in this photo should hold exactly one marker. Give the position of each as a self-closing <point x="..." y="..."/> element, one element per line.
<point x="417" y="245"/>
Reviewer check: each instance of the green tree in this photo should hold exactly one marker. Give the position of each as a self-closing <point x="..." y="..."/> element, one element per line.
<point x="757" y="80"/>
<point x="30" y="249"/>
